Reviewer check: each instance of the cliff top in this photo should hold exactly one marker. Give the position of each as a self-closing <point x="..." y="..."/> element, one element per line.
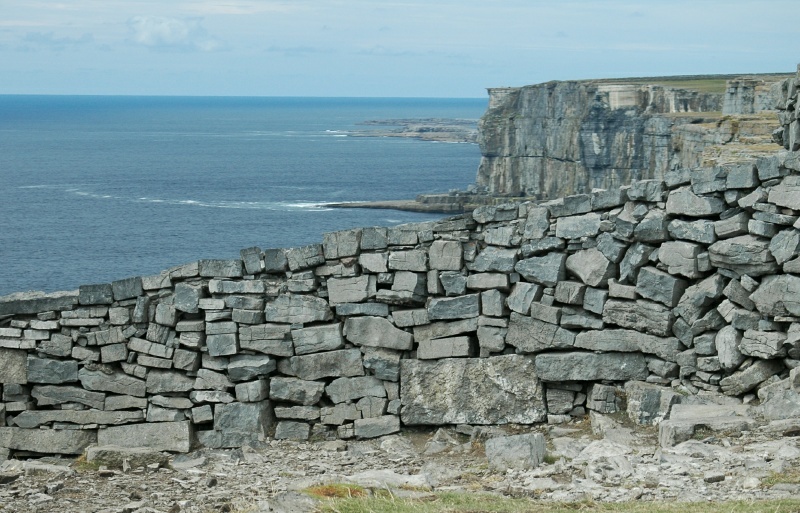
<point x="700" y="83"/>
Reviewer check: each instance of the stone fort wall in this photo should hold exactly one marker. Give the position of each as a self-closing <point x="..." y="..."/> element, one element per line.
<point x="513" y="314"/>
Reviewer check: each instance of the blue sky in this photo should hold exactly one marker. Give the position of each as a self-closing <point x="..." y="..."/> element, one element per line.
<point x="436" y="48"/>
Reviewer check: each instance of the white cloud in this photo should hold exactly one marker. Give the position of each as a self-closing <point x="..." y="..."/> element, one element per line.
<point x="162" y="33"/>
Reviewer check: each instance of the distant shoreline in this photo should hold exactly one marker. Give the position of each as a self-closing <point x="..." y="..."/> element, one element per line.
<point x="425" y="129"/>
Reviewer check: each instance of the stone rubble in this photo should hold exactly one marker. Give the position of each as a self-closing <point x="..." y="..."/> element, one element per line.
<point x="604" y="458"/>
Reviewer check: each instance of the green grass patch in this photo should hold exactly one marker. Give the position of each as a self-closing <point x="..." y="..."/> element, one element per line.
<point x="336" y="491"/>
<point x="706" y="85"/>
<point x="82" y="465"/>
<point x="485" y="503"/>
<point x="790" y="477"/>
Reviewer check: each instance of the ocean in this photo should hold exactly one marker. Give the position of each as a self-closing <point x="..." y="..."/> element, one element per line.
<point x="99" y="188"/>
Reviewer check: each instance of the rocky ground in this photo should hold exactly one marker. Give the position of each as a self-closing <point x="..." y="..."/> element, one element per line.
<point x="598" y="458"/>
<point x="427" y="129"/>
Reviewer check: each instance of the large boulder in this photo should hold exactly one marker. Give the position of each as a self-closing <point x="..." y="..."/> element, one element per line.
<point x="497" y="390"/>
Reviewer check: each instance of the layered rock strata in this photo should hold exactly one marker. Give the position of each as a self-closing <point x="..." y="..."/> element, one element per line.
<point x="559" y="138"/>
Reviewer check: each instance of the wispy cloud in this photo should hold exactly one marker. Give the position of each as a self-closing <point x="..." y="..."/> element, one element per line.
<point x="49" y="40"/>
<point x="240" y="7"/>
<point x="299" y="50"/>
<point x="160" y="33"/>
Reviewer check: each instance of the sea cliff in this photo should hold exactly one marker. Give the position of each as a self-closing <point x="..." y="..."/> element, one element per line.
<point x="558" y="138"/>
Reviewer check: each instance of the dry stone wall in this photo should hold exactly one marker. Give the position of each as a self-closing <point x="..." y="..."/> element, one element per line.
<point x="518" y="313"/>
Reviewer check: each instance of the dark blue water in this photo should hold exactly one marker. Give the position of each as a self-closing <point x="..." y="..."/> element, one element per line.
<point x="94" y="189"/>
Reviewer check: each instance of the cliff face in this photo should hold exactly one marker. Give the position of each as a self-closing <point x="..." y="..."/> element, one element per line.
<point x="559" y="138"/>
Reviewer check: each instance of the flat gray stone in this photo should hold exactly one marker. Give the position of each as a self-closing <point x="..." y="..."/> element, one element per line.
<point x="701" y="231"/>
<point x="384" y="363"/>
<point x="745" y="254"/>
<point x="48" y="395"/>
<point x="585" y="366"/>
<point x="114" y="381"/>
<point x="687" y="419"/>
<point x="629" y="341"/>
<point x="636" y="256"/>
<point x="778" y="296"/>
<point x="326" y="337"/>
<point x="36" y="302"/>
<point x="446" y="255"/>
<point x="252" y="391"/>
<point x="115" y="457"/>
<point x="649" y="404"/>
<point x="46" y="370"/>
<point x="653" y="228"/>
<point x="100" y="294"/>
<point x="698" y="298"/>
<point x="47" y="441"/>
<point x="546" y="270"/>
<point x="211" y="380"/>
<point x="521" y="452"/>
<point x="377" y="332"/>
<point x="727" y="344"/>
<point x="445" y="329"/>
<point x="575" y="227"/>
<point x="158" y="436"/>
<point x="293" y="309"/>
<point x="660" y="286"/>
<point x="611" y="248"/>
<point x="522" y="295"/>
<point x="246" y="367"/>
<point x="741" y="382"/>
<point x="497" y="390"/>
<point x="164" y="381"/>
<point x="275" y="260"/>
<point x="238" y="424"/>
<point x="763" y="344"/>
<point x="784" y="246"/>
<point x="640" y="315"/>
<point x="592" y="267"/>
<point x="493" y="259"/>
<point x="681" y="258"/>
<point x="34" y="418"/>
<point x="221" y="268"/>
<point x="341" y="244"/>
<point x="684" y="202"/>
<point x="341" y="363"/>
<point x="412" y="260"/>
<point x="127" y="288"/>
<point x="348" y="389"/>
<point x="787" y="193"/>
<point x="453" y="347"/>
<point x="223" y="344"/>
<point x="531" y="335"/>
<point x="454" y="308"/>
<point x="292" y="430"/>
<point x="375" y="427"/>
<point x="351" y="290"/>
<point x="13" y="366"/>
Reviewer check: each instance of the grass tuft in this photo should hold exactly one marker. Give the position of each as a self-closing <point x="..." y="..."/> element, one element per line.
<point x="485" y="503"/>
<point x="82" y="465"/>
<point x="336" y="491"/>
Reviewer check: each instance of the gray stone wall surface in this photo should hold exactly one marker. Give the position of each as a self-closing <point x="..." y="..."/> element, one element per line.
<point x="515" y="314"/>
